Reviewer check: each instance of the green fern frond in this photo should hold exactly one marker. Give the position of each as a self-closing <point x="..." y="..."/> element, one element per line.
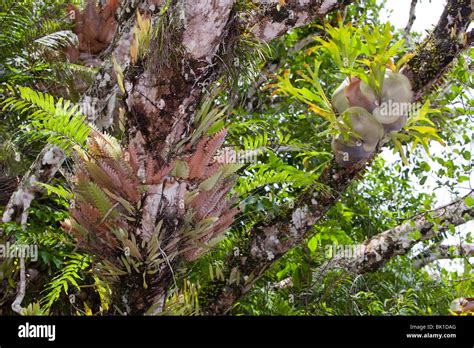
<point x="261" y="175"/>
<point x="58" y="39"/>
<point x="59" y="191"/>
<point x="68" y="276"/>
<point x="91" y="193"/>
<point x="208" y="116"/>
<point x="28" y="39"/>
<point x="64" y="125"/>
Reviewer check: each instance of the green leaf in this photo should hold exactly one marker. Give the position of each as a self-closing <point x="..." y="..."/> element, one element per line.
<point x="469" y="200"/>
<point x="313" y="244"/>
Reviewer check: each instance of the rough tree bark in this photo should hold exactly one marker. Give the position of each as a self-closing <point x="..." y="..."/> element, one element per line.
<point x="43" y="169"/>
<point x="376" y="251"/>
<point x="160" y="103"/>
<point x="442" y="252"/>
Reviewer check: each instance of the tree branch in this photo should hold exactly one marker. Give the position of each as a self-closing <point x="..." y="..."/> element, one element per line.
<point x="43" y="169"/>
<point x="158" y="92"/>
<point x="16" y="305"/>
<point x="272" y="21"/>
<point x="411" y="20"/>
<point x="438" y="50"/>
<point x="376" y="251"/>
<point x="439" y="252"/>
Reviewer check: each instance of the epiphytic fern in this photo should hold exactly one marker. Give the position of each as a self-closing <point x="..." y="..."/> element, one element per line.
<point x="66" y="278"/>
<point x="94" y="27"/>
<point x="60" y="120"/>
<point x="126" y="205"/>
<point x="212" y="210"/>
<point x="106" y="189"/>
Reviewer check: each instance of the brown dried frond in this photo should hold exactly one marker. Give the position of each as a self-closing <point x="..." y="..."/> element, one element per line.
<point x="122" y="174"/>
<point x="86" y="215"/>
<point x="153" y="178"/>
<point x="219" y="227"/>
<point x="196" y="161"/>
<point x="199" y="201"/>
<point x="129" y="182"/>
<point x="206" y="149"/>
<point x="114" y="183"/>
<point x="224" y="222"/>
<point x="105" y="187"/>
<point x="133" y="157"/>
<point x="99" y="235"/>
<point x="212" y="169"/>
<point x="221" y="204"/>
<point x="94" y="145"/>
<point x="214" y="144"/>
<point x="213" y="203"/>
<point x="94" y="27"/>
<point x="98" y="175"/>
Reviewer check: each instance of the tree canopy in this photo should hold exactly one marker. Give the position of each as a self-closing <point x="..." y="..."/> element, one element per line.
<point x="291" y="157"/>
